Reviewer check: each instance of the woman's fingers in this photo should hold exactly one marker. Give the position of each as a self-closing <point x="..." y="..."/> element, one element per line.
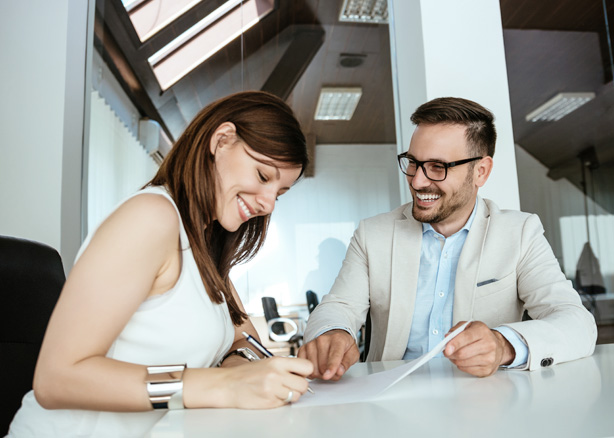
<point x="270" y="382"/>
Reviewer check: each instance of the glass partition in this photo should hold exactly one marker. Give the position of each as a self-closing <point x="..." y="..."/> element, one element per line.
<point x="559" y="61"/>
<point x="173" y="58"/>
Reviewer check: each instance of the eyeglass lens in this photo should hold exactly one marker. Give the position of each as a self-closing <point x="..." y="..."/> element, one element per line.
<point x="432" y="169"/>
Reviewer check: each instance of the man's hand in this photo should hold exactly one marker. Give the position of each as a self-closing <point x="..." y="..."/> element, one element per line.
<point x="331" y="354"/>
<point x="478" y="350"/>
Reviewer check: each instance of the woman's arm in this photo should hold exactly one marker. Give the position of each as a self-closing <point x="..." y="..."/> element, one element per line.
<point x="135" y="254"/>
<point x="131" y="255"/>
<point x="260" y="384"/>
<point x="239" y="340"/>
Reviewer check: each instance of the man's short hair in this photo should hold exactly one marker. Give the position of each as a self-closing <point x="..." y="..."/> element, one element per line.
<point x="478" y="121"/>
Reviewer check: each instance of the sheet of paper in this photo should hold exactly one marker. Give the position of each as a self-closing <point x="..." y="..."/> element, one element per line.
<point x="355" y="389"/>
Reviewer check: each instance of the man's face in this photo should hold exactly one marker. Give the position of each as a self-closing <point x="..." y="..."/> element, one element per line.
<point x="446" y="204"/>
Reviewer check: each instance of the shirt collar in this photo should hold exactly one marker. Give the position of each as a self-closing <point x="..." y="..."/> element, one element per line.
<point x="427" y="227"/>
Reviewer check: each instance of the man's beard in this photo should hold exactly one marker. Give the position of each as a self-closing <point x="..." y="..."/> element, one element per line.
<point x="450" y="203"/>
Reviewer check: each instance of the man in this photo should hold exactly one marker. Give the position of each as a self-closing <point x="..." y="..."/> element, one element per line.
<point x="448" y="257"/>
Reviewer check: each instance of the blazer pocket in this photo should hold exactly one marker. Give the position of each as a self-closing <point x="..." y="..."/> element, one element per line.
<point x="496" y="287"/>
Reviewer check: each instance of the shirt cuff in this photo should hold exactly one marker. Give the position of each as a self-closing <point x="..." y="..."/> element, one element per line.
<point x="519" y="345"/>
<point x="334" y="327"/>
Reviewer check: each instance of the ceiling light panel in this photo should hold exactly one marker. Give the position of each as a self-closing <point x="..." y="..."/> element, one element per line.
<point x="364" y="11"/>
<point x="559" y="106"/>
<point x="336" y="103"/>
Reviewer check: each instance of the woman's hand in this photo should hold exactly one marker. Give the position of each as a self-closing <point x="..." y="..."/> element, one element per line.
<point x="262" y="384"/>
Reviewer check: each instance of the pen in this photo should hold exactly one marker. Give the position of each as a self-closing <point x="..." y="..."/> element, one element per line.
<point x="263" y="350"/>
<point x="257" y="344"/>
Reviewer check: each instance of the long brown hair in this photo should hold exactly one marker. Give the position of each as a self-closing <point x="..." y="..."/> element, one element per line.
<point x="267" y="125"/>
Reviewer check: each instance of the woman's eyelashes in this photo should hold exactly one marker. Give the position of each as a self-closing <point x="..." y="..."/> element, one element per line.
<point x="263" y="178"/>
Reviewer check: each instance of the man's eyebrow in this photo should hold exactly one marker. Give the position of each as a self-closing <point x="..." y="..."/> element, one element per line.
<point x="439" y="160"/>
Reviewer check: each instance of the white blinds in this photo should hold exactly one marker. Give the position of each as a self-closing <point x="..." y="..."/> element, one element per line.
<point x="117" y="164"/>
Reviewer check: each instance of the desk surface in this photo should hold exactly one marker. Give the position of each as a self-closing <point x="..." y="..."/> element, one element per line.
<point x="574" y="399"/>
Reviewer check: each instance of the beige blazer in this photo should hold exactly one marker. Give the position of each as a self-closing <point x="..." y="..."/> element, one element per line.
<point x="505" y="249"/>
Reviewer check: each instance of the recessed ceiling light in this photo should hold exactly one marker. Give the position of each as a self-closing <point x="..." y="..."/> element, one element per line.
<point x="559" y="106"/>
<point x="364" y="11"/>
<point x="337" y="103"/>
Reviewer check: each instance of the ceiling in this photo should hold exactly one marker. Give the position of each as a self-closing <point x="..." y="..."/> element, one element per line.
<point x="292" y="52"/>
<point x="551" y="46"/>
<point x="555" y="46"/>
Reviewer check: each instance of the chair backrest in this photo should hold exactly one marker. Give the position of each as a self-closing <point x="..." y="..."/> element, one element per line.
<point x="367" y="338"/>
<point x="269" y="305"/>
<point x="312" y="300"/>
<point x="31" y="278"/>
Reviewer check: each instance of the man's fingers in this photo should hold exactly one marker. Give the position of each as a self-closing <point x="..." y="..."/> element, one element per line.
<point x="323" y="347"/>
<point x="474" y="332"/>
<point x="476" y="350"/>
<point x="309" y="351"/>
<point x="328" y="354"/>
<point x="335" y="356"/>
<point x="351" y="356"/>
<point x="457" y="326"/>
<point x="480" y="366"/>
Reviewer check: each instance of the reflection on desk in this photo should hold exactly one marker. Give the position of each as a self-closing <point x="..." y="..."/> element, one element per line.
<point x="573" y="399"/>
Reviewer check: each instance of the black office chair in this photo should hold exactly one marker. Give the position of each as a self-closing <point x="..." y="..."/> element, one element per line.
<point x="312" y="300"/>
<point x="31" y="278"/>
<point x="278" y="326"/>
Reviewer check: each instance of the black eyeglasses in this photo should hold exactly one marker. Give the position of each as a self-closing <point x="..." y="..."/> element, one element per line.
<point x="433" y="170"/>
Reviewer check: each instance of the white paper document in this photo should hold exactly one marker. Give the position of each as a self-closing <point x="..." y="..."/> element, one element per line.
<point x="355" y="389"/>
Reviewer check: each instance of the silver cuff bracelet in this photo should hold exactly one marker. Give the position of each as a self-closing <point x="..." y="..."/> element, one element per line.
<point x="165" y="386"/>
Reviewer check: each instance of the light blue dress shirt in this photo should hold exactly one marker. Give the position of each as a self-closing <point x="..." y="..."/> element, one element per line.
<point x="434" y="303"/>
<point x="435" y="295"/>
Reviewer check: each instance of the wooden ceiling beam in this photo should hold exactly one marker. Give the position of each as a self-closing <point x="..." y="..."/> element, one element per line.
<point x="306" y="42"/>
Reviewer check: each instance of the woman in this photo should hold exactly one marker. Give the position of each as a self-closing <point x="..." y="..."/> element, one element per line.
<point x="150" y="286"/>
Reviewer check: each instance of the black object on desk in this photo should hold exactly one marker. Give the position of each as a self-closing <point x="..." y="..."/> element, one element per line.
<point x="277" y="326"/>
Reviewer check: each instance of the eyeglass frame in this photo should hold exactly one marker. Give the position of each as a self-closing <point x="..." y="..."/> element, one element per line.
<point x="443" y="163"/>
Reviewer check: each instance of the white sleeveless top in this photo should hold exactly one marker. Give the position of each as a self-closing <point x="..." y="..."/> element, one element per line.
<point x="179" y="326"/>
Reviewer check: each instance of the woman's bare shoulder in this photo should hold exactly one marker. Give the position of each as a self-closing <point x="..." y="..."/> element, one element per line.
<point x="148" y="221"/>
<point x="150" y="210"/>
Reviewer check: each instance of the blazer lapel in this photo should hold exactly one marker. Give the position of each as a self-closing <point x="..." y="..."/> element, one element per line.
<point x="407" y="241"/>
<point x="469" y="264"/>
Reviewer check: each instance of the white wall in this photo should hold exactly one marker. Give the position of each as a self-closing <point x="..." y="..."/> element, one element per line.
<point x="450" y="48"/>
<point x="32" y="78"/>
<point x="312" y="224"/>
<point x="43" y="60"/>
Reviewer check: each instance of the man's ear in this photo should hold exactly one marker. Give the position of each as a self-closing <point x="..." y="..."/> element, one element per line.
<point x="482" y="171"/>
<point x="223" y="132"/>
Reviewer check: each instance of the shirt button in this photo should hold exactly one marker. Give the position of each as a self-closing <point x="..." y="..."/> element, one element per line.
<point x="441" y="294"/>
<point x="435" y="331"/>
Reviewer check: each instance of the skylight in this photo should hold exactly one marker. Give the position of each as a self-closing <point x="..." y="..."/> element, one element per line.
<point x="150" y="16"/>
<point x="205" y="38"/>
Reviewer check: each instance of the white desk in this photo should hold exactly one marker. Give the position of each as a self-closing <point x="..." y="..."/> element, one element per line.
<point x="574" y="399"/>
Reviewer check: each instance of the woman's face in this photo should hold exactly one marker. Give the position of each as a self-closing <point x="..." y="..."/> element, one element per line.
<point x="248" y="183"/>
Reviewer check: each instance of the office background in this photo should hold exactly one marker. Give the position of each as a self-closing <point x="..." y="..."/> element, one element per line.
<point x="71" y="146"/>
